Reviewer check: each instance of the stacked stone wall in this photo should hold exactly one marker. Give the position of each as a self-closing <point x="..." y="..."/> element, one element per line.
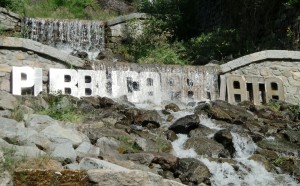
<point x="9" y="21"/>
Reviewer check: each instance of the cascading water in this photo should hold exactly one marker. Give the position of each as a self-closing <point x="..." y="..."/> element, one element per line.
<point x="67" y="35"/>
<point x="247" y="172"/>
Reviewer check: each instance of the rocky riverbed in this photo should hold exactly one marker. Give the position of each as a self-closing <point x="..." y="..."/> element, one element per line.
<point x="62" y="140"/>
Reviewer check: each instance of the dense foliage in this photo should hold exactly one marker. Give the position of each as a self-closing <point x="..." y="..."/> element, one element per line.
<point x="63" y="9"/>
<point x="187" y="31"/>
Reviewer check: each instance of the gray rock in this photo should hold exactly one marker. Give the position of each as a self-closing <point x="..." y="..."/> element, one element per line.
<point x="18" y="135"/>
<point x="39" y="122"/>
<point x="185" y="124"/>
<point x="191" y="170"/>
<point x="64" y="153"/>
<point x="93" y="163"/>
<point x="108" y="145"/>
<point x="73" y="166"/>
<point x="85" y="149"/>
<point x="5" y="179"/>
<point x="7" y="101"/>
<point x="27" y="152"/>
<point x="58" y="134"/>
<point x="5" y="113"/>
<point x="206" y="147"/>
<point x="129" y="177"/>
<point x="140" y="158"/>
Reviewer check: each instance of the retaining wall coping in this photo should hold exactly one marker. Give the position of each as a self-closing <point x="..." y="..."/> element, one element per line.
<point x="68" y="59"/>
<point x="260" y="56"/>
<point x="122" y="19"/>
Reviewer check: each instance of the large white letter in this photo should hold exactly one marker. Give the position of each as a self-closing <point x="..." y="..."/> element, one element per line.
<point x="27" y="77"/>
<point x="64" y="81"/>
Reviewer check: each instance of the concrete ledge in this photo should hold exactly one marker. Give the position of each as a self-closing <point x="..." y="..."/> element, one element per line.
<point x="260" y="56"/>
<point x="122" y="19"/>
<point x="30" y="45"/>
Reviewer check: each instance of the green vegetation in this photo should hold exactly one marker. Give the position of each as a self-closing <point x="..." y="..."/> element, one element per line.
<point x="61" y="108"/>
<point x="9" y="162"/>
<point x="61" y="9"/>
<point x="128" y="145"/>
<point x="186" y="31"/>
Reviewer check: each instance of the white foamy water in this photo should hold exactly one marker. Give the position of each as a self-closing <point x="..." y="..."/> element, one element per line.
<point x="206" y="121"/>
<point x="246" y="172"/>
<point x="67" y="35"/>
<point x="244" y="146"/>
<point x="178" y="149"/>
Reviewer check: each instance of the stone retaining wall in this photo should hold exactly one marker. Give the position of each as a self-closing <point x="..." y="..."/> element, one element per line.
<point x="9" y="21"/>
<point x="282" y="66"/>
<point x="121" y="28"/>
<point x="139" y="83"/>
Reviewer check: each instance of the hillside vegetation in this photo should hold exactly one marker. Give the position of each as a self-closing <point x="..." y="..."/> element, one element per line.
<point x="186" y="31"/>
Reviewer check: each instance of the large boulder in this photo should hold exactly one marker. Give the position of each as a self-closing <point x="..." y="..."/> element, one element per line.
<point x="129" y="177"/>
<point x="185" y="124"/>
<point x="193" y="172"/>
<point x="279" y="145"/>
<point x="58" y="134"/>
<point x="222" y="110"/>
<point x="86" y="149"/>
<point x="39" y="122"/>
<point x="93" y="163"/>
<point x="145" y="117"/>
<point x="7" y="101"/>
<point x="225" y="138"/>
<point x="206" y="147"/>
<point x="64" y="153"/>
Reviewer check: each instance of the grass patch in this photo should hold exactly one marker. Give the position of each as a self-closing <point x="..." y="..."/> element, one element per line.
<point x="62" y="108"/>
<point x="10" y="161"/>
<point x="128" y="145"/>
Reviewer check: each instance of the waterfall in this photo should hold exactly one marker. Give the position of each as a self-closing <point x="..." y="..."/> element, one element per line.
<point x="67" y="35"/>
<point x="248" y="173"/>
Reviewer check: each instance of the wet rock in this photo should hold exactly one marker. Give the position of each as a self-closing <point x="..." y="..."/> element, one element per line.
<point x="147" y="117"/>
<point x="261" y="159"/>
<point x="171" y="135"/>
<point x="279" y="145"/>
<point x="206" y="147"/>
<point x="64" y="153"/>
<point x="225" y="138"/>
<point x="173" y="107"/>
<point x="222" y="110"/>
<point x="292" y="135"/>
<point x="192" y="171"/>
<point x="201" y="108"/>
<point x="80" y="54"/>
<point x="129" y="177"/>
<point x="268" y="154"/>
<point x="185" y="124"/>
<point x="93" y="163"/>
<point x="201" y="132"/>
